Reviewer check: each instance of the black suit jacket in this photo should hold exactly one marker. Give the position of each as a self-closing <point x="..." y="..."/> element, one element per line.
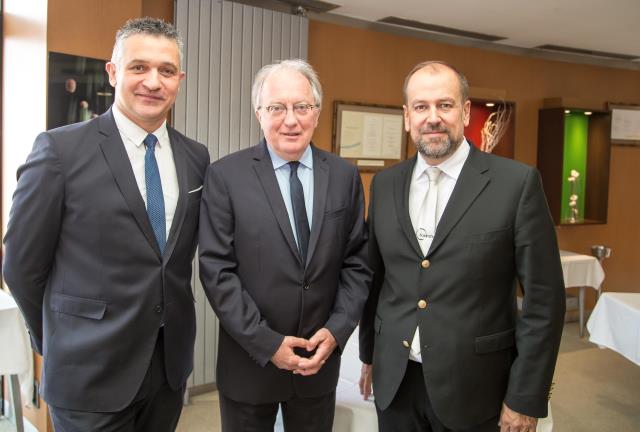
<point x="258" y="286"/>
<point x="83" y="265"/>
<point x="476" y="351"/>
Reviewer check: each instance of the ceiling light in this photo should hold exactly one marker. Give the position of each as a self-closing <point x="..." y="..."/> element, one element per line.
<point x="587" y="113"/>
<point x="490" y="104"/>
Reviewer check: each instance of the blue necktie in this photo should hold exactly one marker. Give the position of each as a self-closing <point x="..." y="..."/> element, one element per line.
<point x="299" y="210"/>
<point x="155" y="198"/>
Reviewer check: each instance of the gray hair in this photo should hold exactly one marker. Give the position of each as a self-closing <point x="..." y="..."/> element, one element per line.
<point x="433" y="64"/>
<point x="297" y="65"/>
<point x="146" y="26"/>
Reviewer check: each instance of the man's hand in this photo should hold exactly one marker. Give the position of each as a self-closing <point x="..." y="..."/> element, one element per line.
<point x="365" y="380"/>
<point x="511" y="421"/>
<point x="285" y="358"/>
<point x="324" y="343"/>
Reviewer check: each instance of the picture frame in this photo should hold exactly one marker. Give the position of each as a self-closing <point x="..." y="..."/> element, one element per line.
<point x="625" y="124"/>
<point x="370" y="136"/>
<point x="78" y="89"/>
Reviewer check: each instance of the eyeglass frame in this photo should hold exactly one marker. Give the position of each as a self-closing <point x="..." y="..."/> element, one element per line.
<point x="308" y="109"/>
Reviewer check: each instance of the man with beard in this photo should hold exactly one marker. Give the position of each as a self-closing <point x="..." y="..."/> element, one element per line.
<point x="451" y="232"/>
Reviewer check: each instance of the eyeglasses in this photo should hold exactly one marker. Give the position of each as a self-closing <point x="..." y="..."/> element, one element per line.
<point x="279" y="110"/>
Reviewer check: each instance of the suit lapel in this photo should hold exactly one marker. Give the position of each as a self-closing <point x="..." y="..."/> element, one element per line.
<point x="180" y="161"/>
<point x="320" y="189"/>
<point x="402" y="184"/>
<point x="264" y="170"/>
<point x="120" y="166"/>
<point x="471" y="182"/>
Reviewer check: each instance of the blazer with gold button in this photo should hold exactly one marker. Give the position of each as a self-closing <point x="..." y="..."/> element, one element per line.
<point x="476" y="351"/>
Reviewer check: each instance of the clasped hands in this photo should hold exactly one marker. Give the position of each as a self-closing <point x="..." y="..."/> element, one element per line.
<point x="285" y="358"/>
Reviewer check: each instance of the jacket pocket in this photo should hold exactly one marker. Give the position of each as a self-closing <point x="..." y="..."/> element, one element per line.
<point x="78" y="306"/>
<point x="377" y="324"/>
<point x="496" y="342"/>
<point x="334" y="214"/>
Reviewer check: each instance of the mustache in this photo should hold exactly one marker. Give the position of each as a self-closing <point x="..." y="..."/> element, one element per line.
<point x="434" y="128"/>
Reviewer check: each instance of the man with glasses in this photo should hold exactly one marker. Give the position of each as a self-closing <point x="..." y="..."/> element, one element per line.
<point x="282" y="261"/>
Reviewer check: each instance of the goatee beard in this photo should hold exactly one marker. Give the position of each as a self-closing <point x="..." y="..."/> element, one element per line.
<point x="436" y="148"/>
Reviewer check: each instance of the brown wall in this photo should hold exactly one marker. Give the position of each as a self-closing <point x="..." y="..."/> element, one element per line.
<point x="361" y="65"/>
<point x="88" y="27"/>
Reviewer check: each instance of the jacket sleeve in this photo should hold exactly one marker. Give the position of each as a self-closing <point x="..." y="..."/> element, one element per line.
<point x="355" y="274"/>
<point x="367" y="335"/>
<point x="33" y="230"/>
<point x="236" y="310"/>
<point x="539" y="327"/>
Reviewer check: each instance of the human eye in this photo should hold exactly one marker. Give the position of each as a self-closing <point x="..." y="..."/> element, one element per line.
<point x="137" y="68"/>
<point x="302" y="109"/>
<point x="420" y="108"/>
<point x="167" y="72"/>
<point x="445" y="105"/>
<point x="276" y="109"/>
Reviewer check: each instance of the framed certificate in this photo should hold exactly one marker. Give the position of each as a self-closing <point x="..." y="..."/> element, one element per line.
<point x="625" y="124"/>
<point x="370" y="136"/>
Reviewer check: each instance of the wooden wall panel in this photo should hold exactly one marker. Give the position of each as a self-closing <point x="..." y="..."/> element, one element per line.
<point x="88" y="28"/>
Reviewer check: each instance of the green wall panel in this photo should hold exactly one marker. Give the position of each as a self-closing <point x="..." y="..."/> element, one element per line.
<point x="576" y="137"/>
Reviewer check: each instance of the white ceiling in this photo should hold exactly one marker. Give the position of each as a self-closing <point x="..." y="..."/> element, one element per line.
<point x="599" y="25"/>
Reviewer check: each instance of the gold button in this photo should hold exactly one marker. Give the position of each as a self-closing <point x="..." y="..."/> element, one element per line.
<point x="425" y="264"/>
<point x="422" y="304"/>
<point x="406" y="344"/>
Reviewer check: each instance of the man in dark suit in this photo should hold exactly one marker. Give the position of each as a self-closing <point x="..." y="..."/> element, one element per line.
<point x="451" y="231"/>
<point x="99" y="248"/>
<point x="283" y="261"/>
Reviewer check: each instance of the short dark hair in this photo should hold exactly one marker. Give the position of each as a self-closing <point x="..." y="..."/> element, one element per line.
<point x="462" y="80"/>
<point x="148" y="26"/>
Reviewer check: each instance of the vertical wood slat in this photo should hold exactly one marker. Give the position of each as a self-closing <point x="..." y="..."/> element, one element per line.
<point x="245" y="77"/>
<point x="256" y="63"/>
<point x="236" y="66"/>
<point x="225" y="45"/>
<point x="225" y="78"/>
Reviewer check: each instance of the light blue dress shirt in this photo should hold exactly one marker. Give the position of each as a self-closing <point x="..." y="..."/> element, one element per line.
<point x="305" y="174"/>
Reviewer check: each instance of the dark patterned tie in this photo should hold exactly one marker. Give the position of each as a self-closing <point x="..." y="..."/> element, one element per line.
<point x="299" y="210"/>
<point x="155" y="198"/>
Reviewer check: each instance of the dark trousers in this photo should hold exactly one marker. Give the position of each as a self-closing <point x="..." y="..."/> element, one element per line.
<point x="411" y="410"/>
<point x="298" y="415"/>
<point x="155" y="408"/>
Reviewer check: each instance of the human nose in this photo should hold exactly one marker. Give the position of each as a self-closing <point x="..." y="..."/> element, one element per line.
<point x="432" y="116"/>
<point x="152" y="80"/>
<point x="290" y="118"/>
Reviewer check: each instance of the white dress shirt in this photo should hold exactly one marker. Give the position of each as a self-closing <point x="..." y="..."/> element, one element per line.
<point x="133" y="137"/>
<point x="450" y="171"/>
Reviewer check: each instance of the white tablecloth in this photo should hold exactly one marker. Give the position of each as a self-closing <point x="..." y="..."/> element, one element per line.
<point x="615" y="323"/>
<point x="16" y="356"/>
<point x="581" y="270"/>
<point x="353" y="413"/>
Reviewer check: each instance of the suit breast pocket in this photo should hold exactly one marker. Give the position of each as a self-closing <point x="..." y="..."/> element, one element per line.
<point x="335" y="213"/>
<point x="491" y="254"/>
<point x="194" y="194"/>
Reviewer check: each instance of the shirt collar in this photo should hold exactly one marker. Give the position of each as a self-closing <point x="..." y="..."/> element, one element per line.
<point x="306" y="159"/>
<point x="452" y="166"/>
<point x="134" y="132"/>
